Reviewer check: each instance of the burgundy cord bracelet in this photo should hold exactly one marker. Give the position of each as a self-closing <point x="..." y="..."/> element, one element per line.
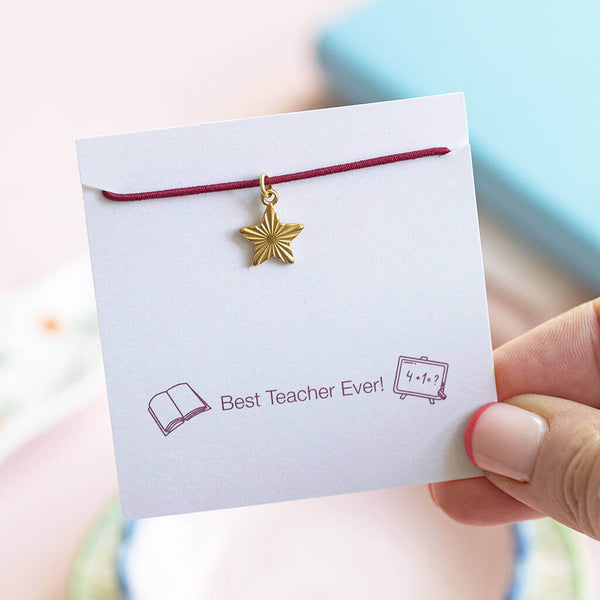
<point x="249" y="183"/>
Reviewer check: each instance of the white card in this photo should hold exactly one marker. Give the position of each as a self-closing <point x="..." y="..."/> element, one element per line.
<point x="355" y="368"/>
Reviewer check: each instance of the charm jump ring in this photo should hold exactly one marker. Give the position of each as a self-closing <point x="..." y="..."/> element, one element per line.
<point x="267" y="194"/>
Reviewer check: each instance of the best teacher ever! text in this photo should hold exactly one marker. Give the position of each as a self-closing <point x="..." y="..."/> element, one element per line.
<point x="274" y="397"/>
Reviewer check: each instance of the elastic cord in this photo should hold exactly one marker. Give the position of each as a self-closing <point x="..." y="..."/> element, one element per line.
<point x="249" y="183"/>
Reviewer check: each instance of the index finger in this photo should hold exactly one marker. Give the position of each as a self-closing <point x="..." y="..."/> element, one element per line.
<point x="558" y="358"/>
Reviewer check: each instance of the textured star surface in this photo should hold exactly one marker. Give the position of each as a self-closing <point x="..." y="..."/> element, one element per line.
<point x="271" y="238"/>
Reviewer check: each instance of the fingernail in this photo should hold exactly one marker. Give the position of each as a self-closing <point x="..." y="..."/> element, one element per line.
<point x="505" y="439"/>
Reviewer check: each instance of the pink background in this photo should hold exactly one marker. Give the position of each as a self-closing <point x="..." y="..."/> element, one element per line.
<point x="73" y="69"/>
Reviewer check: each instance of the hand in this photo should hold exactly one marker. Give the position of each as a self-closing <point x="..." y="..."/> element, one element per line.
<point x="539" y="447"/>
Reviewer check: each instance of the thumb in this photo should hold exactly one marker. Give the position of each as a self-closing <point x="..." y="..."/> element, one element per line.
<point x="545" y="452"/>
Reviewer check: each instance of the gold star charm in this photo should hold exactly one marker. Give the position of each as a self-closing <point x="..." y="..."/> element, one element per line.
<point x="271" y="238"/>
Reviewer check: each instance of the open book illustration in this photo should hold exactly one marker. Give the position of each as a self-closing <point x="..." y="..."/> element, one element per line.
<point x="174" y="406"/>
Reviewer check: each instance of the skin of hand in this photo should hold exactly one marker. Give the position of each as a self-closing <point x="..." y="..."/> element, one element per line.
<point x="539" y="447"/>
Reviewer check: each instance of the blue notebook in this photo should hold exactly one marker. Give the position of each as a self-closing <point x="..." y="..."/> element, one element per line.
<point x="531" y="76"/>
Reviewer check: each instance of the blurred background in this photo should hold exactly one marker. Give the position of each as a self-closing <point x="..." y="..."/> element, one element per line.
<point x="73" y="69"/>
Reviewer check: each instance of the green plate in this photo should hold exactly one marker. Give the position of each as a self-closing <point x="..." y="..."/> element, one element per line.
<point x="95" y="574"/>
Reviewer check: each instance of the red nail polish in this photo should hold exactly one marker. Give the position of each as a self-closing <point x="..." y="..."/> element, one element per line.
<point x="468" y="437"/>
<point x="432" y="495"/>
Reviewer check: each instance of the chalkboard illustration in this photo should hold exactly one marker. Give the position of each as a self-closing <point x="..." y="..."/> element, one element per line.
<point x="175" y="406"/>
<point x="421" y="377"/>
